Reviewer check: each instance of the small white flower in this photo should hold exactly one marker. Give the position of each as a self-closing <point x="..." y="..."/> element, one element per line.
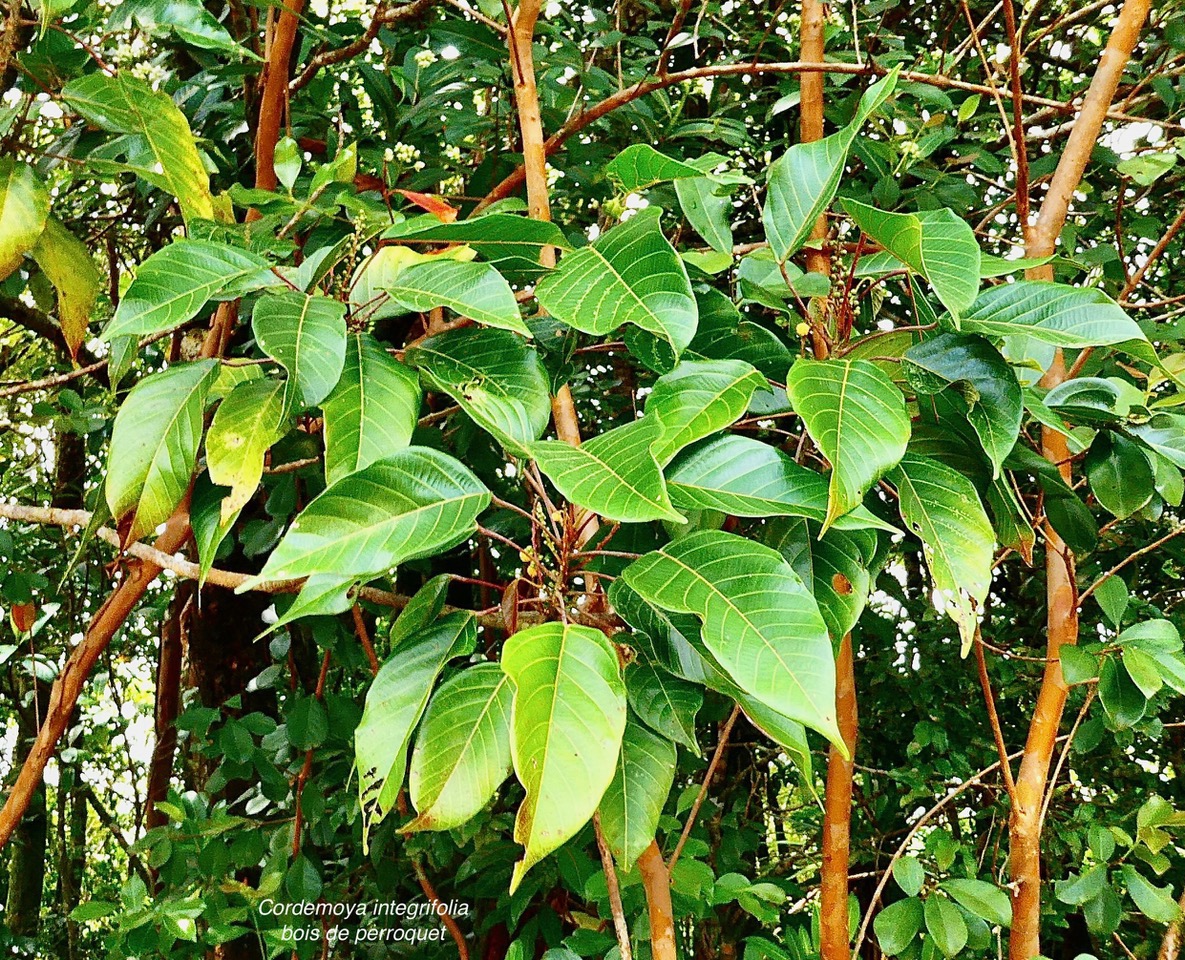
<point x="425" y="58"/>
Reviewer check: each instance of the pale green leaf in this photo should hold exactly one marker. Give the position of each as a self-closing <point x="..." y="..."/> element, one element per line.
<point x="24" y="210"/>
<point x="462" y="751"/>
<point x="372" y="411"/>
<point x="68" y="265"/>
<point x="474" y="290"/>
<point x="942" y="507"/>
<point x="154" y="445"/>
<point x="857" y="417"/>
<point x="306" y="335"/>
<point x="245" y="425"/>
<point x="759" y="620"/>
<point x="639" y="166"/>
<point x="631" y="807"/>
<point x="394" y="704"/>
<point x="495" y="377"/>
<point x="630" y="275"/>
<point x="1053" y="313"/>
<point x="568" y="720"/>
<point x="986" y="900"/>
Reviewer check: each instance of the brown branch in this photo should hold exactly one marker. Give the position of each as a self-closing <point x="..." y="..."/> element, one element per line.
<point x="306" y="768"/>
<point x="364" y="638"/>
<point x="1170" y="946"/>
<point x="620" y="927"/>
<point x="1161" y="245"/>
<point x="273" y="104"/>
<point x="1135" y="555"/>
<point x="834" y="937"/>
<point x="1019" y="141"/>
<point x="810" y="123"/>
<point x="989" y="700"/>
<point x="168" y="701"/>
<point x="721" y="744"/>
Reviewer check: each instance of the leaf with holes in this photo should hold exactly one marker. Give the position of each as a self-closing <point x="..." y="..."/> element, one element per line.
<point x="172" y="286"/>
<point x="936" y="244"/>
<point x="372" y="411"/>
<point x="474" y="290"/>
<point x="631" y="807"/>
<point x="154" y="445"/>
<point x="24" y="211"/>
<point x="567" y="724"/>
<point x="759" y="620"/>
<point x="630" y="275"/>
<point x="170" y="159"/>
<point x="245" y="425"/>
<point x="306" y="335"/>
<point x="394" y="704"/>
<point x="462" y="752"/>
<point x="496" y="378"/>
<point x="984" y="379"/>
<point x="856" y="416"/>
<point x="942" y="507"/>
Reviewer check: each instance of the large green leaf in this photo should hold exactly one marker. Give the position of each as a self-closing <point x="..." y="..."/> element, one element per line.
<point x="639" y="166"/>
<point x="568" y="720"/>
<point x="759" y="620"/>
<point x="803" y="181"/>
<point x="417" y="502"/>
<point x="462" y="752"/>
<point x="856" y="416"/>
<point x="708" y="209"/>
<point x="747" y="478"/>
<point x="394" y="704"/>
<point x="614" y="474"/>
<point x="173" y="285"/>
<point x="723" y="335"/>
<point x="24" y="209"/>
<point x="512" y="243"/>
<point x="696" y="399"/>
<point x="946" y="925"/>
<point x="942" y="507"/>
<point x="1053" y="313"/>
<point x="69" y="266"/>
<point x="630" y="275"/>
<point x="372" y="411"/>
<point x="835" y="567"/>
<point x="154" y="445"/>
<point x="1164" y="433"/>
<point x="934" y="243"/>
<point x="665" y="703"/>
<point x="985" y="380"/>
<point x="306" y="335"/>
<point x="1120" y="474"/>
<point x="125" y="104"/>
<point x="632" y="805"/>
<point x="245" y="425"/>
<point x="474" y="290"/>
<point x="494" y="375"/>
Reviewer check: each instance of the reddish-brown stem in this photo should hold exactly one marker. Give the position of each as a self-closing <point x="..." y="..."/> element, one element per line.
<point x="989" y="700"/>
<point x="620" y="927"/>
<point x="834" y="939"/>
<point x="364" y="639"/>
<point x="273" y="104"/>
<point x="168" y="698"/>
<point x="656" y="880"/>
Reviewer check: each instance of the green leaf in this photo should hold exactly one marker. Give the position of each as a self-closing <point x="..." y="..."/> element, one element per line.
<point x="696" y="399"/>
<point x="897" y="925"/>
<point x="1121" y="478"/>
<point x="372" y="411"/>
<point x="910" y="875"/>
<point x="946" y="925"/>
<point x="416" y="503"/>
<point x="474" y="290"/>
<point x="803" y="181"/>
<point x="1053" y="313"/>
<point x="568" y="720"/>
<point x="92" y="910"/>
<point x="68" y="265"/>
<point x="632" y="805"/>
<point x="24" y="211"/>
<point x="511" y="243"/>
<point x="639" y="166"/>
<point x="856" y="416"/>
<point x="985" y="900"/>
<point x="188" y="19"/>
<point x="991" y="266"/>
<point x="982" y="377"/>
<point x="308" y="723"/>
<point x="125" y="104"/>
<point x="664" y="703"/>
<point x="1112" y="596"/>
<point x="245" y="425"/>
<point x="614" y="474"/>
<point x="1078" y="666"/>
<point x="209" y="527"/>
<point x="1144" y="671"/>
<point x="834" y="567"/>
<point x="722" y="335"/>
<point x="1164" y="433"/>
<point x="496" y="378"/>
<point x="462" y="752"/>
<point x="744" y="477"/>
<point x="306" y="335"/>
<point x="942" y="507"/>
<point x="1156" y="903"/>
<point x="936" y="244"/>
<point x="630" y="275"/>
<point x="172" y="286"/>
<point x="394" y="704"/>
<point x="154" y="446"/>
<point x="709" y="212"/>
<point x="1078" y="889"/>
<point x="759" y="620"/>
<point x="1122" y="700"/>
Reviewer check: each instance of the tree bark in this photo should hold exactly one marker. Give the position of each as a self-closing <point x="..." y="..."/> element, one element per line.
<point x="273" y="104"/>
<point x="810" y="124"/>
<point x="1061" y="585"/>
<point x="26" y="864"/>
<point x="834" y="933"/>
<point x="168" y="698"/>
<point x="657" y="883"/>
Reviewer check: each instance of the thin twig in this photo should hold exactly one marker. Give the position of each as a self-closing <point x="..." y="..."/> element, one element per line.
<point x="703" y="790"/>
